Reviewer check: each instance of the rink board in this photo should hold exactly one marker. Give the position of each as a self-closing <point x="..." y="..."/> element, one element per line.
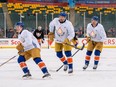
<point x="11" y="43"/>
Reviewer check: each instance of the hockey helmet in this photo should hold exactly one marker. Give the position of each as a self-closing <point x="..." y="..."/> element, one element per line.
<point x="19" y="24"/>
<point x="63" y="14"/>
<point x="95" y="18"/>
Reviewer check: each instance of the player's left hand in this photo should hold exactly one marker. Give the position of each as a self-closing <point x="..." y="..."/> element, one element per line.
<point x="75" y="42"/>
<point x="51" y="36"/>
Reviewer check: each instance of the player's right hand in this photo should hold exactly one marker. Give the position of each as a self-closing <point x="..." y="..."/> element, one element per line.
<point x="20" y="49"/>
<point x="86" y="40"/>
<point x="21" y="52"/>
<point x="51" y="36"/>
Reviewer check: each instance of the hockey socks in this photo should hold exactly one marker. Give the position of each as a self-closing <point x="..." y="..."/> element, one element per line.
<point x="64" y="61"/>
<point x="96" y="61"/>
<point x="70" y="61"/>
<point x="41" y="64"/>
<point x="23" y="65"/>
<point x="61" y="57"/>
<point x="70" y="64"/>
<point x="87" y="59"/>
<point x="96" y="58"/>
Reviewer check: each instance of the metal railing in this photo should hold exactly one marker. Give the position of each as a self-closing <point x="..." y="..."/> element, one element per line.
<point x="81" y="20"/>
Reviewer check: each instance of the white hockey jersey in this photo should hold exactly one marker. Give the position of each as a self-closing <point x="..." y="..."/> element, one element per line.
<point x="97" y="33"/>
<point x="62" y="30"/>
<point x="28" y="40"/>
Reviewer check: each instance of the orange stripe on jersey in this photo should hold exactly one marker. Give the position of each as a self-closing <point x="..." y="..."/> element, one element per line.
<point x="70" y="60"/>
<point x="97" y="58"/>
<point x="87" y="57"/>
<point x="63" y="59"/>
<point x="23" y="64"/>
<point x="41" y="64"/>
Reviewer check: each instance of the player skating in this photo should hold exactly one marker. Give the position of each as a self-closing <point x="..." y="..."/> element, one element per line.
<point x="62" y="31"/>
<point x="95" y="37"/>
<point x="29" y="47"/>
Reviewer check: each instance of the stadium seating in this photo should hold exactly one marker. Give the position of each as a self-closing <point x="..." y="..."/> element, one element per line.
<point x="37" y="8"/>
<point x="29" y="10"/>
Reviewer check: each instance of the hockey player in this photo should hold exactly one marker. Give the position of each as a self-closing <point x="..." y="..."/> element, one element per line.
<point x="63" y="32"/>
<point x="29" y="47"/>
<point x="39" y="34"/>
<point x="95" y="38"/>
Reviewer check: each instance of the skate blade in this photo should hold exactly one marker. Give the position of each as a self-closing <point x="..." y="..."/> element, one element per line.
<point x="84" y="69"/>
<point x="47" y="78"/>
<point x="27" y="78"/>
<point x="94" y="69"/>
<point x="70" y="74"/>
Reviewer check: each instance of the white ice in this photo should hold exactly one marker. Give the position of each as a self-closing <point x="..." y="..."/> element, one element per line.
<point x="104" y="76"/>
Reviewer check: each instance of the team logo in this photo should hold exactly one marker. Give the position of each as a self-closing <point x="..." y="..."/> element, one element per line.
<point x="60" y="32"/>
<point x="93" y="34"/>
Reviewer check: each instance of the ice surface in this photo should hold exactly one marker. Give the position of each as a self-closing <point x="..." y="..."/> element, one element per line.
<point x="104" y="76"/>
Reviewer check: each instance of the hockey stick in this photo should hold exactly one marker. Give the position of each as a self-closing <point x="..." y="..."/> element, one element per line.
<point x="7" y="60"/>
<point x="76" y="46"/>
<point x="73" y="54"/>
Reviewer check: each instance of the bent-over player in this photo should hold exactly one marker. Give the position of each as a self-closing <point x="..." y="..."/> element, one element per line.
<point x="29" y="47"/>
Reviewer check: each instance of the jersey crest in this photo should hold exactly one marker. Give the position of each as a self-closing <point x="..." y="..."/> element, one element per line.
<point x="92" y="34"/>
<point x="60" y="32"/>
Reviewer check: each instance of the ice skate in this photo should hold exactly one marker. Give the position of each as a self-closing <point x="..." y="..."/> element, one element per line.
<point x="27" y="76"/>
<point x="70" y="71"/>
<point x="85" y="67"/>
<point x="47" y="75"/>
<point x="95" y="67"/>
<point x="65" y="67"/>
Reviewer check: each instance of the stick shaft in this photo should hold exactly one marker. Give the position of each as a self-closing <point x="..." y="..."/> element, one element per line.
<point x="7" y="61"/>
